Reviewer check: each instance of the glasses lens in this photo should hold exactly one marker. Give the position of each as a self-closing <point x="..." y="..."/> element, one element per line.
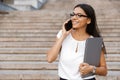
<point x="71" y="14"/>
<point x="77" y="15"/>
<point x="82" y="15"/>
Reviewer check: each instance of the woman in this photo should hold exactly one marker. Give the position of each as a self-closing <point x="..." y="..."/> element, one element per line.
<point x="70" y="46"/>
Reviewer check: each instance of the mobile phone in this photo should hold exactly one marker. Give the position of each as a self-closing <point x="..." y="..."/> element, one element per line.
<point x="68" y="25"/>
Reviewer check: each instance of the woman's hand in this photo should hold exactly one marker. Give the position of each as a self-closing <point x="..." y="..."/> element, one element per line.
<point x="85" y="68"/>
<point x="64" y="32"/>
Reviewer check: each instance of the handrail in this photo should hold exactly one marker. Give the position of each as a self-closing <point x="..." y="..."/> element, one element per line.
<point x="41" y="3"/>
<point x="5" y="7"/>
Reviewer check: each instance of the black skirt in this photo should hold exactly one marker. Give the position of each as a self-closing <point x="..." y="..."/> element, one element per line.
<point x="84" y="79"/>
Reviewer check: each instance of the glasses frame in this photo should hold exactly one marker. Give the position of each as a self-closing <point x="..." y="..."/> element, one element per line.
<point x="79" y="15"/>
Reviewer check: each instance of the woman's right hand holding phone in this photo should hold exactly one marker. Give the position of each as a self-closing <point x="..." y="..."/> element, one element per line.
<point x="64" y="31"/>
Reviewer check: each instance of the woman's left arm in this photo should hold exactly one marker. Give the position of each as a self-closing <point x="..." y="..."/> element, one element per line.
<point x="102" y="69"/>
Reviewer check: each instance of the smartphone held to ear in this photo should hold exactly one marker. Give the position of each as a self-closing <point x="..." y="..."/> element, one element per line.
<point x="68" y="25"/>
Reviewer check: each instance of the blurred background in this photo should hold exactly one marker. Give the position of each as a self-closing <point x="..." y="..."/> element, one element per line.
<point x="28" y="29"/>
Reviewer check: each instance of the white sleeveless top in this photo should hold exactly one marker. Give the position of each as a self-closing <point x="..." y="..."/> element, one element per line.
<point x="69" y="59"/>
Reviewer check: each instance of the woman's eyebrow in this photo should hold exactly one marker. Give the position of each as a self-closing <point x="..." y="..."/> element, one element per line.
<point x="77" y="13"/>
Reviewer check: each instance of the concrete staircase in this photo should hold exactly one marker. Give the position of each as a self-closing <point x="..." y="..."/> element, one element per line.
<point x="25" y="38"/>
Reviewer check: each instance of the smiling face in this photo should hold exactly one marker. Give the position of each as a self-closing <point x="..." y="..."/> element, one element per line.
<point x="79" y="18"/>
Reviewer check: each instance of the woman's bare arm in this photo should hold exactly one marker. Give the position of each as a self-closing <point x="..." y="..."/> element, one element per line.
<point x="54" y="51"/>
<point x="102" y="70"/>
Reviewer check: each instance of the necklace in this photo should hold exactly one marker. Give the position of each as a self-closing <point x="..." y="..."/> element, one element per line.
<point x="76" y="50"/>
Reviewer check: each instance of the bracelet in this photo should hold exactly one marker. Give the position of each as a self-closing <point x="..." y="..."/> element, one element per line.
<point x="94" y="69"/>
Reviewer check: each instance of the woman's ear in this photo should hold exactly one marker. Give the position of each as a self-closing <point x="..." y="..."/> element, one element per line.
<point x="88" y="21"/>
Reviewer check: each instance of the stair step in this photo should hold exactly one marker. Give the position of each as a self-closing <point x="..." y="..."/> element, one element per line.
<point x="107" y="78"/>
<point x="113" y="57"/>
<point x="31" y="19"/>
<point x="33" y="31"/>
<point x="22" y="7"/>
<point x="110" y="44"/>
<point x="13" y="19"/>
<point x="52" y="21"/>
<point x="46" y="35"/>
<point x="37" y="39"/>
<point x="46" y="30"/>
<point x="32" y="39"/>
<point x="60" y="12"/>
<point x="43" y="75"/>
<point x="25" y="44"/>
<point x="48" y="26"/>
<point x="41" y="51"/>
<point x="23" y="57"/>
<point x="113" y="73"/>
<point x="39" y="44"/>
<point x="111" y="39"/>
<point x="113" y="66"/>
<point x="44" y="66"/>
<point x="109" y="30"/>
<point x="28" y="75"/>
<point x="23" y="50"/>
<point x="42" y="57"/>
<point x="23" y="28"/>
<point x="28" y="66"/>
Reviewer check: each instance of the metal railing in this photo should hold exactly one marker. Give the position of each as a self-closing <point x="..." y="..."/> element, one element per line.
<point x="41" y="3"/>
<point x="5" y="7"/>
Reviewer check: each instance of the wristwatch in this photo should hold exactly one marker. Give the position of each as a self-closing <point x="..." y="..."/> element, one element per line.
<point x="94" y="69"/>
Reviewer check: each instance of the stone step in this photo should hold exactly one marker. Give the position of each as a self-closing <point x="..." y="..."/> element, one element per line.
<point x="111" y="39"/>
<point x="107" y="78"/>
<point x="113" y="51"/>
<point x="16" y="25"/>
<point x="38" y="29"/>
<point x="42" y="57"/>
<point x="60" y="13"/>
<point x="43" y="75"/>
<point x="113" y="66"/>
<point x="42" y="39"/>
<point x="41" y="50"/>
<point x="44" y="65"/>
<point x="45" y="30"/>
<point x="22" y="7"/>
<point x="109" y="30"/>
<point x="47" y="27"/>
<point x="113" y="73"/>
<point x="25" y="44"/>
<point x="33" y="31"/>
<point x="31" y="19"/>
<point x="23" y="50"/>
<point x="45" y="44"/>
<point x="43" y="14"/>
<point x="112" y="57"/>
<point x="46" y="35"/>
<point x="32" y="39"/>
<point x="111" y="34"/>
<point x="39" y="19"/>
<point x="23" y="57"/>
<point x="28" y="75"/>
<point x="28" y="66"/>
<point x="29" y="27"/>
<point x="48" y="14"/>
<point x="23" y="18"/>
<point x="26" y="2"/>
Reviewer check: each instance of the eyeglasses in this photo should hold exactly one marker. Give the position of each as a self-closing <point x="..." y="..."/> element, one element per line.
<point x="77" y="15"/>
